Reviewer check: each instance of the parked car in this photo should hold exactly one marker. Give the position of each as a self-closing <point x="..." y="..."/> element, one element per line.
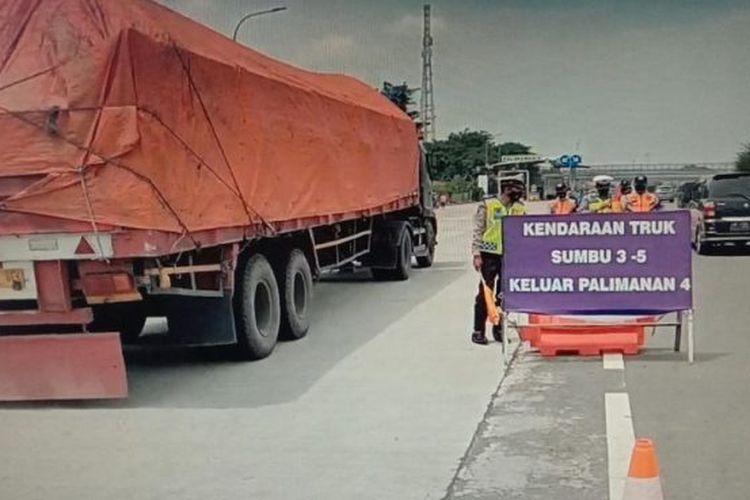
<point x="685" y="194"/>
<point x="666" y="192"/>
<point x="720" y="210"/>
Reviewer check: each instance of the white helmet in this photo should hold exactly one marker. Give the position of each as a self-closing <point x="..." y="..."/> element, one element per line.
<point x="603" y="180"/>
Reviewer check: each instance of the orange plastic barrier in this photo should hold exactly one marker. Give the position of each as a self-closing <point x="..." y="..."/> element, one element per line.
<point x="588" y="344"/>
<point x="554" y="335"/>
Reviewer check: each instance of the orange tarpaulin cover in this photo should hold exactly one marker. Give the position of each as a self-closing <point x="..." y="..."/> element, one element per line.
<point x="125" y="113"/>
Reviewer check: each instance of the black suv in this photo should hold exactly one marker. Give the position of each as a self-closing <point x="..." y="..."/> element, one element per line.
<point x="720" y="208"/>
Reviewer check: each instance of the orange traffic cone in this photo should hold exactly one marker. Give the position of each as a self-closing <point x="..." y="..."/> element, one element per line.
<point x="643" y="481"/>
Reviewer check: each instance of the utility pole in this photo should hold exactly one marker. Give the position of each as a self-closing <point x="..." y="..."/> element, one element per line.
<point x="427" y="101"/>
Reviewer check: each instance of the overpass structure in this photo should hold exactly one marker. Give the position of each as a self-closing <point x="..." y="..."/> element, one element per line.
<point x="657" y="173"/>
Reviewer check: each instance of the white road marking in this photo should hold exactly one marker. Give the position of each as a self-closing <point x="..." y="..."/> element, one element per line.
<point x="613" y="361"/>
<point x="450" y="268"/>
<point x="620" y="441"/>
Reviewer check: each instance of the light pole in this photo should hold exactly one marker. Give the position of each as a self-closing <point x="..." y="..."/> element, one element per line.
<point x="489" y="138"/>
<point x="254" y="14"/>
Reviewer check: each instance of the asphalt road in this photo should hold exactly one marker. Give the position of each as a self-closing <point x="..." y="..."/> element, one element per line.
<point x="698" y="413"/>
<point x="387" y="399"/>
<point x="563" y="428"/>
<point x="380" y="401"/>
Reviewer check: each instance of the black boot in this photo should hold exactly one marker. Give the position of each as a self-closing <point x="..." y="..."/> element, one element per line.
<point x="479" y="338"/>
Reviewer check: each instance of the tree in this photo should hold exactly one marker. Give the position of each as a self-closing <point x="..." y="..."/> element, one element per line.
<point x="402" y="96"/>
<point x="514" y="148"/>
<point x="465" y="153"/>
<point x="743" y="159"/>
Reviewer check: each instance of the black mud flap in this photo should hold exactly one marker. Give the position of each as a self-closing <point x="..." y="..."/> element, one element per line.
<point x="199" y="321"/>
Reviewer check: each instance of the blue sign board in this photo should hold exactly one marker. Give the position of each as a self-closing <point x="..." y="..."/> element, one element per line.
<point x="570" y="161"/>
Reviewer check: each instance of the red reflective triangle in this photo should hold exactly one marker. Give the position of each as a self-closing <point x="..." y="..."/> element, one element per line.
<point x="84" y="247"/>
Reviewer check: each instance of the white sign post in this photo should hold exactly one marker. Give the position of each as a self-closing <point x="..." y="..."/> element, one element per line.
<point x="483" y="181"/>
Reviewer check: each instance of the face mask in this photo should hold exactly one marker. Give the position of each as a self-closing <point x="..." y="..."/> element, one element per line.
<point x="640" y="189"/>
<point x="515" y="195"/>
<point x="561" y="196"/>
<point x="603" y="193"/>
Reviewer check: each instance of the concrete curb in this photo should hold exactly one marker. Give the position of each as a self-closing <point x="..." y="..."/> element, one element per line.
<point x="450" y="490"/>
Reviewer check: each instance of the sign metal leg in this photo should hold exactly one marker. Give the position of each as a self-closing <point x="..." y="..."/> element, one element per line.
<point x="691" y="337"/>
<point x="678" y="331"/>
<point x="505" y="340"/>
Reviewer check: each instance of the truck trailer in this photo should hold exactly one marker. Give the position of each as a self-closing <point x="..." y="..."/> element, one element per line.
<point x="150" y="166"/>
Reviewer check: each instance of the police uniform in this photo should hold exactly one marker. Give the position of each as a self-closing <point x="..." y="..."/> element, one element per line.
<point x="645" y="202"/>
<point x="488" y="243"/>
<point x="594" y="203"/>
<point x="618" y="203"/>
<point x="563" y="206"/>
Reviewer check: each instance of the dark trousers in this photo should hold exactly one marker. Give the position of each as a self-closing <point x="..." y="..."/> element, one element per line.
<point x="492" y="266"/>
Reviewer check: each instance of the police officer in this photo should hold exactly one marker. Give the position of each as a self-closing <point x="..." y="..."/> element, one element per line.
<point x="487" y="246"/>
<point x="599" y="201"/>
<point x="641" y="200"/>
<point x="619" y="199"/>
<point x="563" y="204"/>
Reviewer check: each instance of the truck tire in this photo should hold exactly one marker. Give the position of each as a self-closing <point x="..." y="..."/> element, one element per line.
<point x="402" y="270"/>
<point x="427" y="260"/>
<point x="257" y="309"/>
<point x="128" y="319"/>
<point x="296" y="291"/>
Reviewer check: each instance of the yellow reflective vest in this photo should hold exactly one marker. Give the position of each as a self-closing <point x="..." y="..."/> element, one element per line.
<point x="599" y="205"/>
<point x="492" y="239"/>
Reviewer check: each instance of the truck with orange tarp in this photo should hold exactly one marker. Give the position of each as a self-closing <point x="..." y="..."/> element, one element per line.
<point x="151" y="166"/>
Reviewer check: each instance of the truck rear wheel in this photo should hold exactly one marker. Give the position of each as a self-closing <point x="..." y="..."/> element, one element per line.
<point x="257" y="309"/>
<point x="296" y="293"/>
<point x="430" y="241"/>
<point x="128" y="319"/>
<point x="402" y="271"/>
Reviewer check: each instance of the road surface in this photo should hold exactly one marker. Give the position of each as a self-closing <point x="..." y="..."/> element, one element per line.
<point x="387" y="399"/>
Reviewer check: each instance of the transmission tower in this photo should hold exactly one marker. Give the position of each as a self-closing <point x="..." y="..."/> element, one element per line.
<point x="427" y="100"/>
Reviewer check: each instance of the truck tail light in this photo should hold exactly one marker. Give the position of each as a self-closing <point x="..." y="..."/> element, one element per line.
<point x="709" y="209"/>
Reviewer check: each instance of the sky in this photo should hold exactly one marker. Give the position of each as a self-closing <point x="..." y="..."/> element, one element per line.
<point x="618" y="81"/>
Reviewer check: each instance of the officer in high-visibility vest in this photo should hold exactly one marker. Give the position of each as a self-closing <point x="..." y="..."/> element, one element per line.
<point x="619" y="200"/>
<point x="599" y="201"/>
<point x="563" y="204"/>
<point x="487" y="246"/>
<point x="641" y="200"/>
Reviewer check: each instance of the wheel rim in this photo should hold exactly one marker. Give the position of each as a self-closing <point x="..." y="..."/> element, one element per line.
<point x="262" y="308"/>
<point x="299" y="295"/>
